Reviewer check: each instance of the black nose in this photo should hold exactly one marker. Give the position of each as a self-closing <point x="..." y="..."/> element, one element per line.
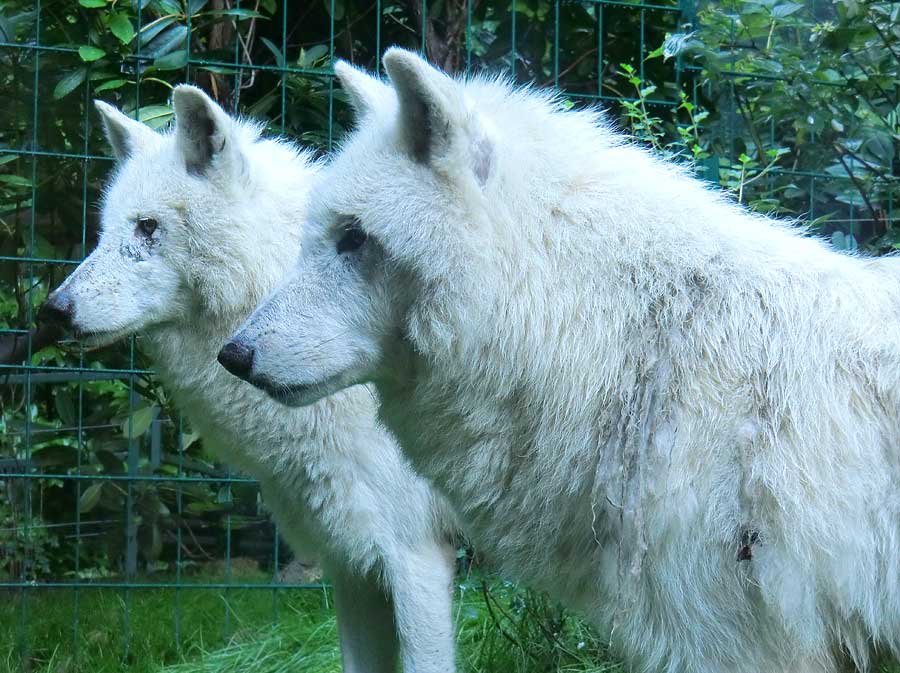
<point x="58" y="310"/>
<point x="237" y="358"/>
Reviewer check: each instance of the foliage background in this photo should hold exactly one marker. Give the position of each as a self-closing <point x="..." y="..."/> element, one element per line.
<point x="794" y="107"/>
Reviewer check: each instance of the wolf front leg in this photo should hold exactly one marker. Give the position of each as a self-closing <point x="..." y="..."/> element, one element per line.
<point x="421" y="582"/>
<point x="366" y="626"/>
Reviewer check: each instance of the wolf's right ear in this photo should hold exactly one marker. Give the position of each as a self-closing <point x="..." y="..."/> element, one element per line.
<point x="202" y="128"/>
<point x="125" y="135"/>
<point x="429" y="110"/>
<point x="364" y="91"/>
<point x="436" y="121"/>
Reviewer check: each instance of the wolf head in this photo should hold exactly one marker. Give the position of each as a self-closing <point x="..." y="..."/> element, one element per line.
<point x="398" y="223"/>
<point x="188" y="231"/>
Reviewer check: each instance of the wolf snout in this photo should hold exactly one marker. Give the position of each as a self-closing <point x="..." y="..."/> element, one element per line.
<point x="57" y="311"/>
<point x="237" y="358"/>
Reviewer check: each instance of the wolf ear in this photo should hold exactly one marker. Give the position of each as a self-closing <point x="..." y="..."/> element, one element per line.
<point x="426" y="98"/>
<point x="202" y="128"/>
<point x="125" y="135"/>
<point x="364" y="91"/>
<point x="435" y="121"/>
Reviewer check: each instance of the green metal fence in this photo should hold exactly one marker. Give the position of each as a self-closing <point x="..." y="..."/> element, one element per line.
<point x="102" y="487"/>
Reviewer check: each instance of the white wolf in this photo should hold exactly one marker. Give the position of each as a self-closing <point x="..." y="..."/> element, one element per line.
<point x="197" y="226"/>
<point x="675" y="416"/>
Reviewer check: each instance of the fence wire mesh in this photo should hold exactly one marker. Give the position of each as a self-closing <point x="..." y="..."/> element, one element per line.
<point x="102" y="486"/>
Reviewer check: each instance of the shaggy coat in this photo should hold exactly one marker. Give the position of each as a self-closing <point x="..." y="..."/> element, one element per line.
<point x="198" y="225"/>
<point x="676" y="416"/>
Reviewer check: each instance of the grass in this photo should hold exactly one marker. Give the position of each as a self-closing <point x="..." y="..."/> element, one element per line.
<point x="501" y="629"/>
<point x="140" y="630"/>
<point x="516" y="633"/>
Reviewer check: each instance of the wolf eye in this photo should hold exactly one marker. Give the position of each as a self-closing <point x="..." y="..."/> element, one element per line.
<point x="352" y="238"/>
<point x="147" y="225"/>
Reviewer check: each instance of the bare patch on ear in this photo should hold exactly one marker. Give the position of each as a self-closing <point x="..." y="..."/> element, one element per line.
<point x="206" y="142"/>
<point x="419" y="137"/>
<point x="482" y="159"/>
<point x="428" y="104"/>
<point x="210" y="149"/>
<point x="201" y="128"/>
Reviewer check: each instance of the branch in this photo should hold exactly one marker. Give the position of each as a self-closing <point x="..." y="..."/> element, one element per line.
<point x="574" y="64"/>
<point x="871" y="78"/>
<point x="884" y="39"/>
<point x="877" y="170"/>
<point x="856" y="183"/>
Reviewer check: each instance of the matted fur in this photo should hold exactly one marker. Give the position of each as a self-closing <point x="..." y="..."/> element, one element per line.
<point x="677" y="417"/>
<point x="229" y="208"/>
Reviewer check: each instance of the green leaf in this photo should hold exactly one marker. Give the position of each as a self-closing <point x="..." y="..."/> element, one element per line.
<point x="15" y="180"/>
<point x="309" y="56"/>
<point x="65" y="406"/>
<point x="139" y="422"/>
<point x="174" y="61"/>
<point x="172" y="6"/>
<point x="187" y="439"/>
<point x="109" y="85"/>
<point x="55" y="455"/>
<point x="89" y="54"/>
<point x="656" y="53"/>
<point x="120" y="26"/>
<point x="276" y="52"/>
<point x="217" y="69"/>
<point x="786" y="9"/>
<point x="90" y="497"/>
<point x="154" y="28"/>
<point x="155" y="116"/>
<point x="238" y="12"/>
<point x="69" y="83"/>
<point x="167" y="42"/>
<point x="202" y="507"/>
<point x="195" y="6"/>
<point x="92" y="3"/>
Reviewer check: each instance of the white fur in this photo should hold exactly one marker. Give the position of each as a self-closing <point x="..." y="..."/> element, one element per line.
<point x="675" y="416"/>
<point x="229" y="208"/>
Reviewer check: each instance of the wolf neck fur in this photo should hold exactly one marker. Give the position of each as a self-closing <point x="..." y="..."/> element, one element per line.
<point x="227" y="412"/>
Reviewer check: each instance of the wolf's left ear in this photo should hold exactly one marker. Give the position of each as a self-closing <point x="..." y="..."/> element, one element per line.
<point x="202" y="128"/>
<point x="125" y="135"/>
<point x="365" y="92"/>
<point x="435" y="121"/>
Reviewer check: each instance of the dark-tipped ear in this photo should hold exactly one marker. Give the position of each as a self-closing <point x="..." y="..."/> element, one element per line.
<point x="429" y="103"/>
<point x="202" y="128"/>
<point x="364" y="91"/>
<point x="125" y="135"/>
